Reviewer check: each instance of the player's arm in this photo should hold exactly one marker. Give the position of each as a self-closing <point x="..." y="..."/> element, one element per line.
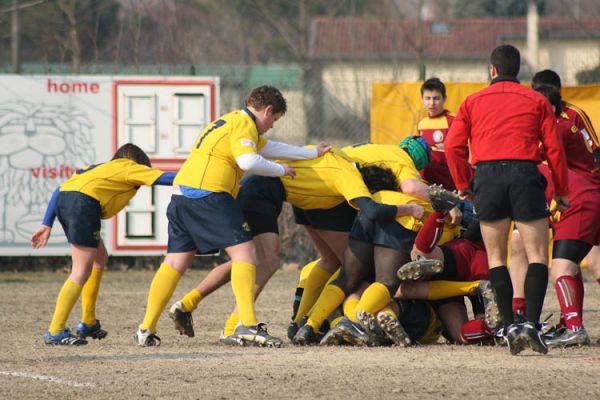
<point x="284" y="151"/>
<point x="415" y="188"/>
<point x="383" y="212"/>
<point x="41" y="236"/>
<point x="555" y="154"/>
<point x="456" y="151"/>
<point x="166" y="179"/>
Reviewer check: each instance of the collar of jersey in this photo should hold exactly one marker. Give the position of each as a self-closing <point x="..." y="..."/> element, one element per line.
<point x="504" y="78"/>
<point x="249" y="113"/>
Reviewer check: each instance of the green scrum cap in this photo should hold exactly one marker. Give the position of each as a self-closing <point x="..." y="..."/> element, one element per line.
<point x="418" y="149"/>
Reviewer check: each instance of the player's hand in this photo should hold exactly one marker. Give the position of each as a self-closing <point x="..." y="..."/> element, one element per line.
<point x="323" y="148"/>
<point x="289" y="171"/>
<point x="562" y="203"/>
<point x="465" y="194"/>
<point x="455" y="217"/>
<point x="416" y="210"/>
<point x="40" y="237"/>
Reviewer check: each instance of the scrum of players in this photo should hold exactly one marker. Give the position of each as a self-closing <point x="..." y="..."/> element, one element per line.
<point x="399" y="248"/>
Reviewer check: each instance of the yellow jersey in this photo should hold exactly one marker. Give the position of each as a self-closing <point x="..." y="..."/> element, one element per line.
<point x="385" y="155"/>
<point x="212" y="164"/>
<point x="408" y="221"/>
<point x="323" y="182"/>
<point x="113" y="183"/>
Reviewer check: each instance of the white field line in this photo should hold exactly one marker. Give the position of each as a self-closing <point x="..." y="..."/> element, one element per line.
<point x="47" y="378"/>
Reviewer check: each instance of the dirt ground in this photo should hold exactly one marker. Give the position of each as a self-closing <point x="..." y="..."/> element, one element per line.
<point x="200" y="368"/>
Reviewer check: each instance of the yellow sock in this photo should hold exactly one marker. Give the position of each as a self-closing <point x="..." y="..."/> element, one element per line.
<point x="243" y="280"/>
<point x="350" y="307"/>
<point x="335" y="322"/>
<point x="389" y="310"/>
<point x="67" y="297"/>
<point x="312" y="289"/>
<point x="161" y="289"/>
<point x="330" y="299"/>
<point x="439" y="290"/>
<point x="231" y="323"/>
<point x="89" y="294"/>
<point x="191" y="300"/>
<point x="376" y="297"/>
<point x="305" y="272"/>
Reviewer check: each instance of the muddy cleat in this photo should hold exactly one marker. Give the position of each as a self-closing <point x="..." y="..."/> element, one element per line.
<point x="231" y="340"/>
<point x="393" y="329"/>
<point x="64" y="338"/>
<point x="377" y="336"/>
<point x="333" y="337"/>
<point x="182" y="319"/>
<point x="512" y="336"/>
<point x="305" y="336"/>
<point x="352" y="333"/>
<point x="292" y="329"/>
<point x="492" y="313"/>
<point x="531" y="336"/>
<point x="566" y="337"/>
<point x="421" y="266"/>
<point x="442" y="200"/>
<point x="144" y="338"/>
<point x="95" y="331"/>
<point x="257" y="335"/>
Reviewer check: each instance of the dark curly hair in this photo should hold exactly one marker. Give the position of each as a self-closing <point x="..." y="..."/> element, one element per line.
<point x="263" y="96"/>
<point x="134" y="153"/>
<point x="553" y="96"/>
<point x="378" y="178"/>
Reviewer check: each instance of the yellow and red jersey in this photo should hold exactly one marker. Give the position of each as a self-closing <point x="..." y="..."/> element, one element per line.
<point x="113" y="183"/>
<point x="212" y="164"/>
<point x="581" y="120"/>
<point x="577" y="149"/>
<point x="434" y="131"/>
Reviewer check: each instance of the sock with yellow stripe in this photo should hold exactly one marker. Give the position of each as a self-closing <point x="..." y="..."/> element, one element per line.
<point x="312" y="289"/>
<point x="89" y="295"/>
<point x="350" y="307"/>
<point x="243" y="280"/>
<point x="376" y="297"/>
<point x="67" y="297"/>
<point x="191" y="300"/>
<point x="330" y="299"/>
<point x="231" y="323"/>
<point x="161" y="289"/>
<point x="439" y="290"/>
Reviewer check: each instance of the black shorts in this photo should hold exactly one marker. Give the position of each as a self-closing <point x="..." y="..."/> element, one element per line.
<point x="338" y="218"/>
<point x="261" y="200"/>
<point x="509" y="189"/>
<point x="450" y="272"/>
<point x="80" y="216"/>
<point x="383" y="233"/>
<point x="207" y="224"/>
<point x="419" y="320"/>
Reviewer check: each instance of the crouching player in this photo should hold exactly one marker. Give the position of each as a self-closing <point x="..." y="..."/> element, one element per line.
<point x="93" y="193"/>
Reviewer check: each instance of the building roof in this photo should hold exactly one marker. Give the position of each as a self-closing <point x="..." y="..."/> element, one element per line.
<point x="361" y="37"/>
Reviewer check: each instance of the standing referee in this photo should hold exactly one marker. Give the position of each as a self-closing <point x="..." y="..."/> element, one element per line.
<point x="504" y="124"/>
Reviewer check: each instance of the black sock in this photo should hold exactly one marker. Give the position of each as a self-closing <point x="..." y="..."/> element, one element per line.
<point x="500" y="280"/>
<point x="536" y="283"/>
<point x="297" y="299"/>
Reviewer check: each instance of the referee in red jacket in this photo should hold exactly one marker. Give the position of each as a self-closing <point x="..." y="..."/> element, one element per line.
<point x="504" y="124"/>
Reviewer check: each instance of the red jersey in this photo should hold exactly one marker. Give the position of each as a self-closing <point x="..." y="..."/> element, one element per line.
<point x="577" y="149"/>
<point x="505" y="121"/>
<point x="581" y="120"/>
<point x="434" y="131"/>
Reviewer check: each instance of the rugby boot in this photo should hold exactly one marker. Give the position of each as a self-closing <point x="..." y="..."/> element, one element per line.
<point x="257" y="335"/>
<point x="512" y="336"/>
<point x="95" y="331"/>
<point x="532" y="336"/>
<point x="64" y="338"/>
<point x="231" y="340"/>
<point x="568" y="338"/>
<point x="393" y="329"/>
<point x="144" y="338"/>
<point x="377" y="336"/>
<point x="352" y="333"/>
<point x="417" y="269"/>
<point x="333" y="337"/>
<point x="492" y="313"/>
<point x="292" y="329"/>
<point x="182" y="319"/>
<point x="442" y="200"/>
<point x="305" y="336"/>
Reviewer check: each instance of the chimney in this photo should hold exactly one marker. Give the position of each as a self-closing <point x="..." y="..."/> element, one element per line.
<point x="532" y="35"/>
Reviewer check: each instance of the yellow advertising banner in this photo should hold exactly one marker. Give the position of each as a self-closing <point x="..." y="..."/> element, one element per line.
<point x="396" y="108"/>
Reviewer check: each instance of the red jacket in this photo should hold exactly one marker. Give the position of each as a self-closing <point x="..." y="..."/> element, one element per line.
<point x="505" y="121"/>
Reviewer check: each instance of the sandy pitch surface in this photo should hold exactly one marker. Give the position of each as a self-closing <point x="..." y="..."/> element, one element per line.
<point x="200" y="368"/>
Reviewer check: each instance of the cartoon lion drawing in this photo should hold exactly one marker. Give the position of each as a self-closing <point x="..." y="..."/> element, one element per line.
<point x="40" y="146"/>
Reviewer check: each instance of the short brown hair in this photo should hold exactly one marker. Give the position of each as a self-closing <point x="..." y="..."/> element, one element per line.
<point x="263" y="96"/>
<point x="506" y="59"/>
<point x="133" y="153"/>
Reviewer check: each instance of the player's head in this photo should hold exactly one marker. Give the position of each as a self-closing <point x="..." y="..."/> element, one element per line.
<point x="133" y="153"/>
<point x="378" y="178"/>
<point x="553" y="95"/>
<point x="546" y="77"/>
<point x="506" y="60"/>
<point x="418" y="149"/>
<point x="268" y="105"/>
<point x="433" y="95"/>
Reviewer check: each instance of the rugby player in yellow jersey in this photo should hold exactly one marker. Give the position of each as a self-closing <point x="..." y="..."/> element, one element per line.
<point x="326" y="185"/>
<point x="93" y="193"/>
<point x="204" y="216"/>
